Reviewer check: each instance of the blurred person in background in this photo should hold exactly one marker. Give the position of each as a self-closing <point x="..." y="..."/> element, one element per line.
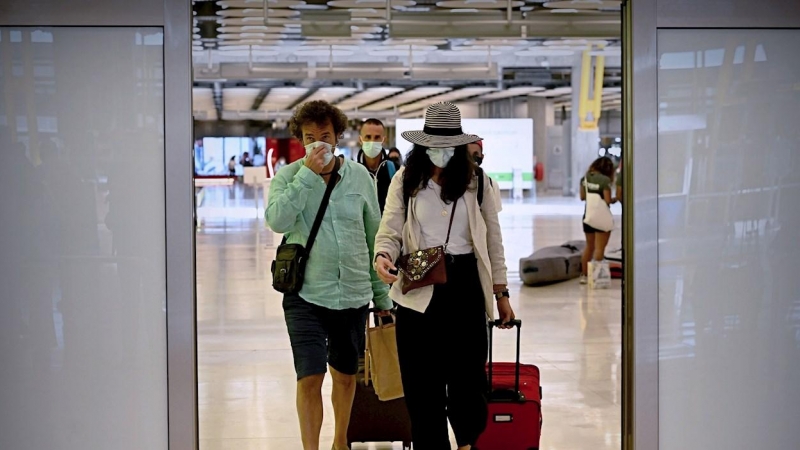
<point x="396" y="156"/>
<point x="598" y="180"/>
<point x="375" y="158"/>
<point x="232" y="166"/>
<point x="475" y="150"/>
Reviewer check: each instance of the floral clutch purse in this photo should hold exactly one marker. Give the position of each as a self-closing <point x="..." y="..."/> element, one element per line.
<point x="422" y="268"/>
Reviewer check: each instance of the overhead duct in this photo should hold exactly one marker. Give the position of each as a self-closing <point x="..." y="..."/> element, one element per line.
<point x="594" y="26"/>
<point x="328" y="23"/>
<point x="482" y="24"/>
<point x="372" y="71"/>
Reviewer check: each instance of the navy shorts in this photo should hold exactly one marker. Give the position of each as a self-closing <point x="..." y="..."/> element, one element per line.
<point x="589" y="230"/>
<point x="322" y="336"/>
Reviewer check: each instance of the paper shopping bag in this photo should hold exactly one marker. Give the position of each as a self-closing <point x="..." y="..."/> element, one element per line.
<point x="599" y="275"/>
<point x="382" y="365"/>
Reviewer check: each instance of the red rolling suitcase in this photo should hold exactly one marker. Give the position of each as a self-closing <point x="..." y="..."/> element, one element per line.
<point x="515" y="403"/>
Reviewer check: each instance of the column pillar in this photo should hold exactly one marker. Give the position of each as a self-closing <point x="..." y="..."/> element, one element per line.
<point x="542" y="111"/>
<point x="587" y="93"/>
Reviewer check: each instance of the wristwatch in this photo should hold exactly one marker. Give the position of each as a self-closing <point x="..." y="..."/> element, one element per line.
<point x="499" y="295"/>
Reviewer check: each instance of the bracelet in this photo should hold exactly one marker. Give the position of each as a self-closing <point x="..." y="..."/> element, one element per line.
<point x="381" y="254"/>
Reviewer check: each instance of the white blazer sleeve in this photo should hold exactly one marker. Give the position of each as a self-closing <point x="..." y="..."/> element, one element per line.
<point x="494" y="236"/>
<point x="390" y="234"/>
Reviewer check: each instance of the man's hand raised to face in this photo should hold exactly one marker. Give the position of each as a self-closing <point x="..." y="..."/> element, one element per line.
<point x="316" y="159"/>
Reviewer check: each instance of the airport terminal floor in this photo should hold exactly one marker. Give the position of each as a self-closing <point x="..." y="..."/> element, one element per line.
<point x="246" y="379"/>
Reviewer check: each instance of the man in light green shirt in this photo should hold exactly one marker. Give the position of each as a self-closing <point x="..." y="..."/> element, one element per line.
<point x="328" y="317"/>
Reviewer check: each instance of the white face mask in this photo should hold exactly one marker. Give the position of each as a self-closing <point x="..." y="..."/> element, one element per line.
<point x="328" y="150"/>
<point x="441" y="156"/>
<point x="372" y="149"/>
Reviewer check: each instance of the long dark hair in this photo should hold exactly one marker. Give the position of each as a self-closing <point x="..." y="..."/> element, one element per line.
<point x="455" y="178"/>
<point x="603" y="166"/>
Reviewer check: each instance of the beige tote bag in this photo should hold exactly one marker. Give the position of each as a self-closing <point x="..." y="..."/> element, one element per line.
<point x="381" y="363"/>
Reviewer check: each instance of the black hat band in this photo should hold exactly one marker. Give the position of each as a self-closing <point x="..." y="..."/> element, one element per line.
<point x="442" y="131"/>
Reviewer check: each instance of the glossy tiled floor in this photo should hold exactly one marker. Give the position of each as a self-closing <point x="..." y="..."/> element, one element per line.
<point x="246" y="377"/>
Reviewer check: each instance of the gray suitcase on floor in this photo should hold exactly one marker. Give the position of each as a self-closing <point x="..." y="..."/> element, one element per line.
<point x="552" y="264"/>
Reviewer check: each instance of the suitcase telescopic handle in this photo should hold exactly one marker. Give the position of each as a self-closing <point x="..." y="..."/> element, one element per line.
<point x="498" y="323"/>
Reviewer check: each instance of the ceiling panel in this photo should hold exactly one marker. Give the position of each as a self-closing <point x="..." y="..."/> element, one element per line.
<point x="257" y="13"/>
<point x="370" y="3"/>
<point x="478" y="4"/>
<point x="282" y="98"/>
<point x="584" y="4"/>
<point x="331" y="94"/>
<point x="451" y="96"/>
<point x="260" y="3"/>
<point x="239" y="98"/>
<point x="255" y="20"/>
<point x="407" y="97"/>
<point x="257" y="44"/>
<point x="368" y="96"/>
<point x="203" y="106"/>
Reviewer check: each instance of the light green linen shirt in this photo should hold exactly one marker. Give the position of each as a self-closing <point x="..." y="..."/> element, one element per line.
<point x="339" y="272"/>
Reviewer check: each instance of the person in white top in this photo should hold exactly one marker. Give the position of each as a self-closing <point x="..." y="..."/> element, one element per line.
<point x="442" y="328"/>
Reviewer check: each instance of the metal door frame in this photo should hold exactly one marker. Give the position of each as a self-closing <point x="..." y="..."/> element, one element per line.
<point x="174" y="17"/>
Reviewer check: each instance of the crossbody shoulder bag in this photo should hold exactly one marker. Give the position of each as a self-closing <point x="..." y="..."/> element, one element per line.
<point x="289" y="267"/>
<point x="425" y="267"/>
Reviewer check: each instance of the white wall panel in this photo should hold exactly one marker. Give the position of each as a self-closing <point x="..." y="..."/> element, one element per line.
<point x="83" y="352"/>
<point x="729" y="239"/>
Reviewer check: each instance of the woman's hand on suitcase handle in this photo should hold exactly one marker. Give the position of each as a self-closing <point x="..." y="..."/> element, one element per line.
<point x="506" y="313"/>
<point x="385" y="269"/>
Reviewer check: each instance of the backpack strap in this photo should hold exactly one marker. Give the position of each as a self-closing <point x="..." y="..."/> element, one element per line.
<point x="391" y="168"/>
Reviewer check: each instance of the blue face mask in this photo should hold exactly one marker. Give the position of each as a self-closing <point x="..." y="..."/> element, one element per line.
<point x="328" y="150"/>
<point x="441" y="156"/>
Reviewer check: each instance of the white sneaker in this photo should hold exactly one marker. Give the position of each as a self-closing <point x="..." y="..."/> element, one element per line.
<point x="584" y="279"/>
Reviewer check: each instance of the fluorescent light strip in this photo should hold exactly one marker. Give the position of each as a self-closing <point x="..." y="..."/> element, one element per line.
<point x="368" y="96"/>
<point x="512" y="92"/>
<point x="281" y="98"/>
<point x="407" y="97"/>
<point x="447" y="97"/>
<point x="557" y="92"/>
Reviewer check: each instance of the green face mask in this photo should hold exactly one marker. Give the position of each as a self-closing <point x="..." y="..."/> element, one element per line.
<point x="372" y="149"/>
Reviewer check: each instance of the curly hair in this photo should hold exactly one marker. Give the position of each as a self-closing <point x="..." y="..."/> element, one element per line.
<point x="318" y="112"/>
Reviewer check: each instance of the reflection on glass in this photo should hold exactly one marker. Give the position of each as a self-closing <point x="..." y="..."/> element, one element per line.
<point x="82" y="245"/>
<point x="729" y="230"/>
<point x="213" y="154"/>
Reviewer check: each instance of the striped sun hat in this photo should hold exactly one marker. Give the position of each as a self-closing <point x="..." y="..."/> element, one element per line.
<point x="442" y="128"/>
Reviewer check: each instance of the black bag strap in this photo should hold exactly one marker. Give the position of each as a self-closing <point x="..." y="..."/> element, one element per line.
<point x="480" y="187"/>
<point x="323" y="207"/>
<point x="450" y="227"/>
<point x="517" y="323"/>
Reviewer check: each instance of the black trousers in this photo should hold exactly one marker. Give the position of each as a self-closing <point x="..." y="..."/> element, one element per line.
<point x="442" y="359"/>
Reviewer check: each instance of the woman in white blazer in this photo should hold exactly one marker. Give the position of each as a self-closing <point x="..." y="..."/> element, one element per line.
<point x="442" y="329"/>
